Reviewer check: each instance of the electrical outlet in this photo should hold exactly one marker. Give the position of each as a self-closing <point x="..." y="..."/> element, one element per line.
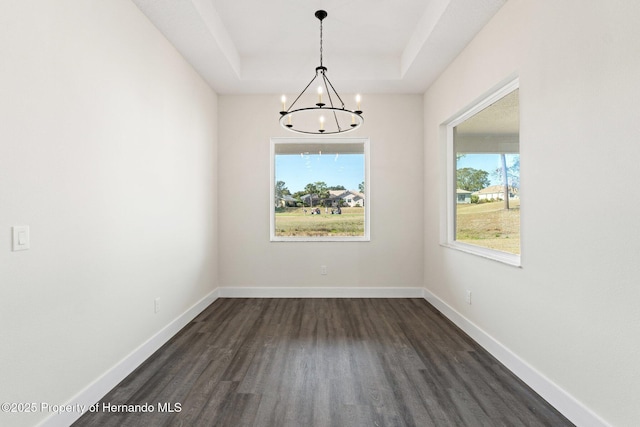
<point x="323" y="270"/>
<point x="156" y="305"/>
<point x="468" y="297"/>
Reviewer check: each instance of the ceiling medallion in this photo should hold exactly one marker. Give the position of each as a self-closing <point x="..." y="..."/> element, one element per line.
<point x="321" y="119"/>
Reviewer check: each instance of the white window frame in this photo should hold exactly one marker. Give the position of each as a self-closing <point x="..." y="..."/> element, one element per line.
<point x="448" y="238"/>
<point x="367" y="189"/>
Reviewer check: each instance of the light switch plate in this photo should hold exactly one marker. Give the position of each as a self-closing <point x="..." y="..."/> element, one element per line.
<point x="20" y="237"/>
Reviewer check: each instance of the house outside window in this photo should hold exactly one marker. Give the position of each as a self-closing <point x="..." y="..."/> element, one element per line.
<point x="320" y="189"/>
<point x="483" y="177"/>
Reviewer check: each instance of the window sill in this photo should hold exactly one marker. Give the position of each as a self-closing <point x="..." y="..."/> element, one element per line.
<point x="503" y="257"/>
<point x="322" y="239"/>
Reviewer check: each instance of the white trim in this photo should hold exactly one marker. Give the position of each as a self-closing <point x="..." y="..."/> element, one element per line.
<point x="569" y="406"/>
<point x="320" y="292"/>
<point x="494" y="94"/>
<point x="367" y="185"/>
<point x="503" y="257"/>
<point x="448" y="222"/>
<point x="102" y="385"/>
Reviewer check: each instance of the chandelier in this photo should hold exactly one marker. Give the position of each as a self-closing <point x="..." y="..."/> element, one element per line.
<point x="321" y="119"/>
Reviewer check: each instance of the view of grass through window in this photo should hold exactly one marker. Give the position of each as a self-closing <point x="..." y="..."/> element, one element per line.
<point x="487" y="174"/>
<point x="319" y="190"/>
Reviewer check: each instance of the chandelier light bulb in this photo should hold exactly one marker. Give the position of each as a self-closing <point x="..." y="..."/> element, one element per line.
<point x="358" y="110"/>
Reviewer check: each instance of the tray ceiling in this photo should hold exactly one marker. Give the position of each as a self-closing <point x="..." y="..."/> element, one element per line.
<point x="381" y="46"/>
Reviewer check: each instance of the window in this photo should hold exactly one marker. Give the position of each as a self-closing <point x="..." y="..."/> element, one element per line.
<point x="483" y="206"/>
<point x="319" y="189"/>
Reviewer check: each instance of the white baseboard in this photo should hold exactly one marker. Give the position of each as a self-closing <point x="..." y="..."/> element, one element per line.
<point x="101" y="386"/>
<point x="573" y="409"/>
<point x="320" y="292"/>
<point x="570" y="407"/>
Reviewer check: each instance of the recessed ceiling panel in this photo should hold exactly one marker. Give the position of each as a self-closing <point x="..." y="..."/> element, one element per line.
<point x="257" y="46"/>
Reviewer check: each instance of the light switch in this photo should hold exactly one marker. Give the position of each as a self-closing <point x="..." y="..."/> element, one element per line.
<point x="20" y="237"/>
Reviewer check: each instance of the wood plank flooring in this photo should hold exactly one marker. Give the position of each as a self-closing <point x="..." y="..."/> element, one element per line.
<point x="323" y="362"/>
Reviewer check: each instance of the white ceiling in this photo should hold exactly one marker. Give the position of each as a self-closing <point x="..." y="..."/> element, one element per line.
<point x="500" y="118"/>
<point x="370" y="46"/>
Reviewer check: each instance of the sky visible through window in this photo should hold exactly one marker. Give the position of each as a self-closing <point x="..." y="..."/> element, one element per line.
<point x="485" y="162"/>
<point x="298" y="170"/>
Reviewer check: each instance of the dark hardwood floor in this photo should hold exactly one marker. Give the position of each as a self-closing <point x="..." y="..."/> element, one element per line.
<point x="322" y="362"/>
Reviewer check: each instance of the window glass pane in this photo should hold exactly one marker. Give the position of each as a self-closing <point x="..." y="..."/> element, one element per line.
<point x="319" y="190"/>
<point x="487" y="177"/>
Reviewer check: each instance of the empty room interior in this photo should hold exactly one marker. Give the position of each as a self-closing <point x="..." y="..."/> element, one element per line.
<point x="144" y="213"/>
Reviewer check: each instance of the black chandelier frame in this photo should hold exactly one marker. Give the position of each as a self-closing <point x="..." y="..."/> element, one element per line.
<point x="345" y="120"/>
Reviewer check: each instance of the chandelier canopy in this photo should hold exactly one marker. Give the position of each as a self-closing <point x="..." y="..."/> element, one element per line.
<point x="320" y="118"/>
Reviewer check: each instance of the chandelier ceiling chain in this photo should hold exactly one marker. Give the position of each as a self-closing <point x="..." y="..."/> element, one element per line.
<point x="320" y="36"/>
<point x="311" y="120"/>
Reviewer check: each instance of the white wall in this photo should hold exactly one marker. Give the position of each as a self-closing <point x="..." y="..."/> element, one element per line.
<point x="393" y="257"/>
<point x="107" y="152"/>
<point x="571" y="311"/>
